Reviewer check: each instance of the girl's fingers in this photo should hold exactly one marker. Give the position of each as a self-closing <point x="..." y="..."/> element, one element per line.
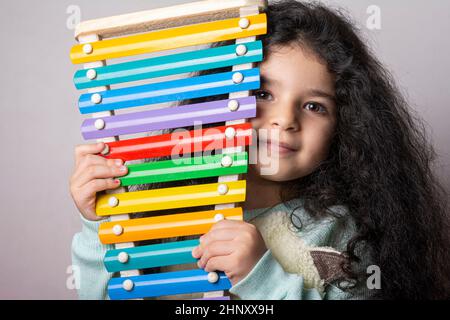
<point x="93" y="217"/>
<point x="97" y="185"/>
<point x="218" y="235"/>
<point x="85" y="197"/>
<point x="216" y="248"/>
<point x="227" y="224"/>
<point x="99" y="172"/>
<point x="90" y="160"/>
<point x="85" y="149"/>
<point x="220" y="263"/>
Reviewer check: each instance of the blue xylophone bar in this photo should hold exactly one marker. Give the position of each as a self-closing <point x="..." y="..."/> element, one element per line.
<point x="201" y="86"/>
<point x="150" y="256"/>
<point x="164" y="284"/>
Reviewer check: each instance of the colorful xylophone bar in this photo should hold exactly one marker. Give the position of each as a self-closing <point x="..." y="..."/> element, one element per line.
<point x="165" y="226"/>
<point x="168" y="65"/>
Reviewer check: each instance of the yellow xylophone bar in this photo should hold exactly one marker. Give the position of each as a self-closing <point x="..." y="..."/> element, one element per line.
<point x="167" y="39"/>
<point x="171" y="198"/>
<point x="166" y="226"/>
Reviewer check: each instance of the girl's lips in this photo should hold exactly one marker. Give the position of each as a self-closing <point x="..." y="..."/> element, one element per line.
<point x="283" y="148"/>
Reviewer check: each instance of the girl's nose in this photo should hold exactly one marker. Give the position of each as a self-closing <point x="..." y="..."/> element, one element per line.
<point x="284" y="117"/>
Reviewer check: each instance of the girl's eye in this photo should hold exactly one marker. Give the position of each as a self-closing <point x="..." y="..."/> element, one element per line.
<point x="315" y="107"/>
<point x="262" y="95"/>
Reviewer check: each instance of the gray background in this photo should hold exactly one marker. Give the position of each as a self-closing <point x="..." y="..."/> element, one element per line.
<point x="40" y="122"/>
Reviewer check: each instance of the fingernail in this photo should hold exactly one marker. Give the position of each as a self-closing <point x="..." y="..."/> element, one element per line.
<point x="201" y="239"/>
<point x="116" y="181"/>
<point x="123" y="169"/>
<point x="118" y="162"/>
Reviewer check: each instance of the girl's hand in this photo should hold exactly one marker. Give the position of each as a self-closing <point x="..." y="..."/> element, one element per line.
<point x="93" y="174"/>
<point x="230" y="246"/>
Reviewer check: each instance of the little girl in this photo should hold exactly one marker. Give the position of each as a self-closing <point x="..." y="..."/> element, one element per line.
<point x="353" y="212"/>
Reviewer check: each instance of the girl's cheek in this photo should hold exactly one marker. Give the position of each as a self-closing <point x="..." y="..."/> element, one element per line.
<point x="256" y="123"/>
<point x="262" y="119"/>
<point x="318" y="137"/>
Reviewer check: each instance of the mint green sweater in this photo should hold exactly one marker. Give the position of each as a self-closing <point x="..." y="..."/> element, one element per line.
<point x="282" y="272"/>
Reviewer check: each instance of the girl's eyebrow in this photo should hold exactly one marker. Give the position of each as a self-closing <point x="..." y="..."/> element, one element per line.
<point x="312" y="92"/>
<point x="320" y="93"/>
<point x="266" y="80"/>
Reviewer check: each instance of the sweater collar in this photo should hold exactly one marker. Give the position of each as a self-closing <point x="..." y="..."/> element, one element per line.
<point x="287" y="206"/>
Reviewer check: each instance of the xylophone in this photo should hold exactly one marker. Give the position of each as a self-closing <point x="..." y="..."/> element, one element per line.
<point x="164" y="31"/>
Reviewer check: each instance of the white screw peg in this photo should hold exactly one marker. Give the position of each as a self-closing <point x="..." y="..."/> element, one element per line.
<point x="213" y="277"/>
<point x="238" y="77"/>
<point x="244" y="23"/>
<point x="128" y="285"/>
<point x="106" y="150"/>
<point x="99" y="124"/>
<point x="227" y="161"/>
<point x="117" y="229"/>
<point x="96" y="98"/>
<point x="241" y="50"/>
<point x="222" y="189"/>
<point x="230" y="132"/>
<point x="123" y="257"/>
<point x="218" y="217"/>
<point x="113" y="202"/>
<point x="87" y="48"/>
<point x="233" y="105"/>
<point x="91" y="74"/>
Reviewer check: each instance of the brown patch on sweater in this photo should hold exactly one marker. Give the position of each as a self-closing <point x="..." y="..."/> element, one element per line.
<point x="329" y="265"/>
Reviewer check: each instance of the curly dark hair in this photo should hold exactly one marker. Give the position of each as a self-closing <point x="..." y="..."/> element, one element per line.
<point x="380" y="161"/>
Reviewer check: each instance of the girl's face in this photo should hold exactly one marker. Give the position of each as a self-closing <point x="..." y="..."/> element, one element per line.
<point x="297" y="110"/>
